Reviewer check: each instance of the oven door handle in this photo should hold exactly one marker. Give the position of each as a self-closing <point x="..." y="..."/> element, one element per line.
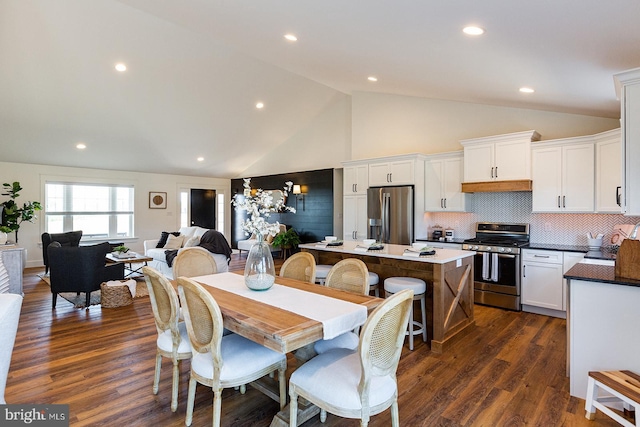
<point x="506" y="256"/>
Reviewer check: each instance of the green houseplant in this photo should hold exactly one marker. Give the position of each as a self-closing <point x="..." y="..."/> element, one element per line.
<point x="286" y="240"/>
<point x="12" y="214"/>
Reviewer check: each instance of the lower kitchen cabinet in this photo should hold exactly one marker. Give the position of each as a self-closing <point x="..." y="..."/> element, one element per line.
<point x="542" y="280"/>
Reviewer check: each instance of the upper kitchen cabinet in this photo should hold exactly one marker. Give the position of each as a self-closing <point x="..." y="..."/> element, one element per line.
<point x="443" y="181"/>
<point x="608" y="171"/>
<point x="356" y="178"/>
<point x="563" y="175"/>
<point x="392" y="171"/>
<point x="499" y="158"/>
<point x="628" y="90"/>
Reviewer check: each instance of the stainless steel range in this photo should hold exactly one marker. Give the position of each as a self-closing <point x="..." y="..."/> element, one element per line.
<point x="497" y="263"/>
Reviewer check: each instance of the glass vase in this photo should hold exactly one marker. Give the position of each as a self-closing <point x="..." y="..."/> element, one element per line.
<point x="259" y="272"/>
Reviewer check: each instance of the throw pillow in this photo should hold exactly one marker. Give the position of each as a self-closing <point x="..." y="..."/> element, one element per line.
<point x="174" y="242"/>
<point x="193" y="241"/>
<point x="163" y="238"/>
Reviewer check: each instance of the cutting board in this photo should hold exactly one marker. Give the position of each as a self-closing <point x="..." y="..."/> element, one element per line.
<point x="628" y="259"/>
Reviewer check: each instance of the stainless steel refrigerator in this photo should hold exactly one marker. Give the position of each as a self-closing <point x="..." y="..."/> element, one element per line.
<point x="390" y="214"/>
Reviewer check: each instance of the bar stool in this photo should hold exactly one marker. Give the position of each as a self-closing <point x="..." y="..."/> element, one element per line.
<point x="374" y="279"/>
<point x="393" y="285"/>
<point x="321" y="273"/>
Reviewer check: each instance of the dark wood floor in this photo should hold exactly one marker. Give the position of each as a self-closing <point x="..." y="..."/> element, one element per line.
<point x="509" y="372"/>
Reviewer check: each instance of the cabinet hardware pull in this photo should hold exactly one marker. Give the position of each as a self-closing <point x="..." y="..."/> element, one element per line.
<point x="558" y="202"/>
<point x="491" y="172"/>
<point x="618" y="196"/>
<point x="564" y="205"/>
<point x="441" y="205"/>
<point x="524" y="271"/>
<point x="445" y="203"/>
<point x="541" y="256"/>
<point x="496" y="171"/>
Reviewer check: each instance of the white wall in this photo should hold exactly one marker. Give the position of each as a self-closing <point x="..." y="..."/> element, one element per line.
<point x="385" y="124"/>
<point x="148" y="222"/>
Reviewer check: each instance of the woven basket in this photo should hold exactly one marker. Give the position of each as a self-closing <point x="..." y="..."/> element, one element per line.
<point x="115" y="296"/>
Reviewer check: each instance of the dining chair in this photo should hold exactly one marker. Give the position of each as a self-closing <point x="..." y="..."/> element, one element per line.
<point x="194" y="261"/>
<point x="222" y="361"/>
<point x="300" y="266"/>
<point x="173" y="341"/>
<point x="349" y="275"/>
<point x="362" y="383"/>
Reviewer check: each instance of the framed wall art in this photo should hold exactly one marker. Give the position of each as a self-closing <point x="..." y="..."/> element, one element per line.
<point x="157" y="200"/>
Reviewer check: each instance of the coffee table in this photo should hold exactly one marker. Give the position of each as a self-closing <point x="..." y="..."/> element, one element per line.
<point x="130" y="270"/>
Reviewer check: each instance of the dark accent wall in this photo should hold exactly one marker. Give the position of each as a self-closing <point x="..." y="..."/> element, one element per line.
<point x="314" y="217"/>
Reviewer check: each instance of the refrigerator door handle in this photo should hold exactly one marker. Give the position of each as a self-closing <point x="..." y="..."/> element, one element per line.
<point x="386" y="204"/>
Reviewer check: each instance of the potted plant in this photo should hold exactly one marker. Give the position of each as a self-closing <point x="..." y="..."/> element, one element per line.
<point x="3" y="234"/>
<point x="13" y="215"/>
<point x="286" y="240"/>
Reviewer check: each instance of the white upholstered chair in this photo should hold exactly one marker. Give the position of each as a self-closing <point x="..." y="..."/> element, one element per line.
<point x="362" y="383"/>
<point x="10" y="305"/>
<point x="349" y="275"/>
<point x="194" y="261"/>
<point x="300" y="266"/>
<point x="173" y="341"/>
<point x="221" y="361"/>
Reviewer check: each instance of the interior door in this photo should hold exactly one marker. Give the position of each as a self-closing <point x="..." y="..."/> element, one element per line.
<point x="203" y="208"/>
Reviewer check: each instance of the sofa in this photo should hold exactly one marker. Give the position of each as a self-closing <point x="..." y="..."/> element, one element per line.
<point x="245" y="245"/>
<point x="190" y="236"/>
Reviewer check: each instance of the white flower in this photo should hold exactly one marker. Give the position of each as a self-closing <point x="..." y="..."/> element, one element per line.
<point x="259" y="205"/>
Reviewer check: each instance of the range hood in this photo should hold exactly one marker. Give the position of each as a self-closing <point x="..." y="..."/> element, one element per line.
<point x="497" y="186"/>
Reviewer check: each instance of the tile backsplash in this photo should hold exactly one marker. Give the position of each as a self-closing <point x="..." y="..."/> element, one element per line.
<point x="552" y="228"/>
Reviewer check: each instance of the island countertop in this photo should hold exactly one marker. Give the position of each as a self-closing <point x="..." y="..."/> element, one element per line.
<point x="441" y="256"/>
<point x="599" y="273"/>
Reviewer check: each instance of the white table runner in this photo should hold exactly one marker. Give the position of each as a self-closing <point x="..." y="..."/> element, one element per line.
<point x="336" y="316"/>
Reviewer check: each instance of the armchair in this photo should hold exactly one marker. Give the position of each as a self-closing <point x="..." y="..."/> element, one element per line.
<point x="70" y="238"/>
<point x="80" y="269"/>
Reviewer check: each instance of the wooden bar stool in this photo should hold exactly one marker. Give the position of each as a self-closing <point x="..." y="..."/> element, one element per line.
<point x="321" y="273"/>
<point x="623" y="385"/>
<point x="393" y="285"/>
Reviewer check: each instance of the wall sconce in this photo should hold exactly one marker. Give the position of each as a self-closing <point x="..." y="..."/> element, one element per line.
<point x="297" y="190"/>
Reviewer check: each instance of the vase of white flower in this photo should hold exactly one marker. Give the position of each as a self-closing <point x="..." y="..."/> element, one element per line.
<point x="259" y="272"/>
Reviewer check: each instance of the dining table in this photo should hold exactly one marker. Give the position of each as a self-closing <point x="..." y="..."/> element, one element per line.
<point x="288" y="317"/>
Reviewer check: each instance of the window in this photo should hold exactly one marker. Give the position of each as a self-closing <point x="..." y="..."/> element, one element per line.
<point x="99" y="210"/>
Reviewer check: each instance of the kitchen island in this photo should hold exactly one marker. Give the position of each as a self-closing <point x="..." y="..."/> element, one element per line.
<point x="602" y="323"/>
<point x="448" y="274"/>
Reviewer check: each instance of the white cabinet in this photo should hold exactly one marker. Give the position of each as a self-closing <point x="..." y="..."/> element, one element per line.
<point x="499" y="158"/>
<point x="356" y="179"/>
<point x="443" y="183"/>
<point x="569" y="259"/>
<point x="628" y="90"/>
<point x="355" y="217"/>
<point x="608" y="171"/>
<point x="542" y="279"/>
<point x="563" y="175"/>
<point x="393" y="172"/>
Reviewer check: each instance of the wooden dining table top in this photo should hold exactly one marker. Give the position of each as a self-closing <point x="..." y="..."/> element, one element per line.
<point x="275" y="328"/>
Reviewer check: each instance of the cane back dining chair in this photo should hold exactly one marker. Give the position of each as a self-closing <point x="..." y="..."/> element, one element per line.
<point x="362" y="383"/>
<point x="300" y="266"/>
<point x="194" y="261"/>
<point x="349" y="275"/>
<point x="222" y="361"/>
<point x="173" y="341"/>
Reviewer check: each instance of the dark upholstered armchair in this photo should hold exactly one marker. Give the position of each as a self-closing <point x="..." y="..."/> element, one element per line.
<point x="71" y="238"/>
<point x="80" y="269"/>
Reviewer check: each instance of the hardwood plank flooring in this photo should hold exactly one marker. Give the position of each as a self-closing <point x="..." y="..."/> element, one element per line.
<point x="508" y="372"/>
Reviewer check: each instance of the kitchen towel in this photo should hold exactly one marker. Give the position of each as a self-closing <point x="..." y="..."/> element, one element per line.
<point x="494" y="267"/>
<point x="485" y="266"/>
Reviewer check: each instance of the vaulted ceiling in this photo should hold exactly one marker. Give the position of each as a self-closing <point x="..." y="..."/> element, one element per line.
<point x="197" y="68"/>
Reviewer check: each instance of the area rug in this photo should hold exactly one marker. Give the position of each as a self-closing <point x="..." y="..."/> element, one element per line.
<point x="78" y="301"/>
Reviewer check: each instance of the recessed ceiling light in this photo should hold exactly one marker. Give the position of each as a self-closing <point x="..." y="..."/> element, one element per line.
<point x="200" y="159"/>
<point x="372" y="79"/>
<point x="473" y="30"/>
<point x="81" y="146"/>
<point x="526" y="90"/>
<point x="291" y="37"/>
<point x="259" y="105"/>
<point x="121" y="67"/>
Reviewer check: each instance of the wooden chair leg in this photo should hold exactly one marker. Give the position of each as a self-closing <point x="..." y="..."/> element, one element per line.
<point x="156" y="376"/>
<point x="191" y="397"/>
<point x="174" y="386"/>
<point x="293" y="407"/>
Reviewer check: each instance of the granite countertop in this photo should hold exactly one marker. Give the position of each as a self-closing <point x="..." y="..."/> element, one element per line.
<point x="599" y="273"/>
<point x="429" y="239"/>
<point x="603" y="253"/>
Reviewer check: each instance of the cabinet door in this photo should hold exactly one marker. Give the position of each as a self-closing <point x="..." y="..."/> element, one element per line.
<point x="355" y="217"/>
<point x="433" y="197"/>
<point x="454" y="198"/>
<point x="547" y="179"/>
<point x="578" y="178"/>
<point x="401" y="172"/>
<point x="570" y="259"/>
<point x="356" y="179"/>
<point x="542" y="285"/>
<point x="608" y="176"/>
<point x="631" y="137"/>
<point x="479" y="166"/>
<point x="379" y="174"/>
<point x="512" y="160"/>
